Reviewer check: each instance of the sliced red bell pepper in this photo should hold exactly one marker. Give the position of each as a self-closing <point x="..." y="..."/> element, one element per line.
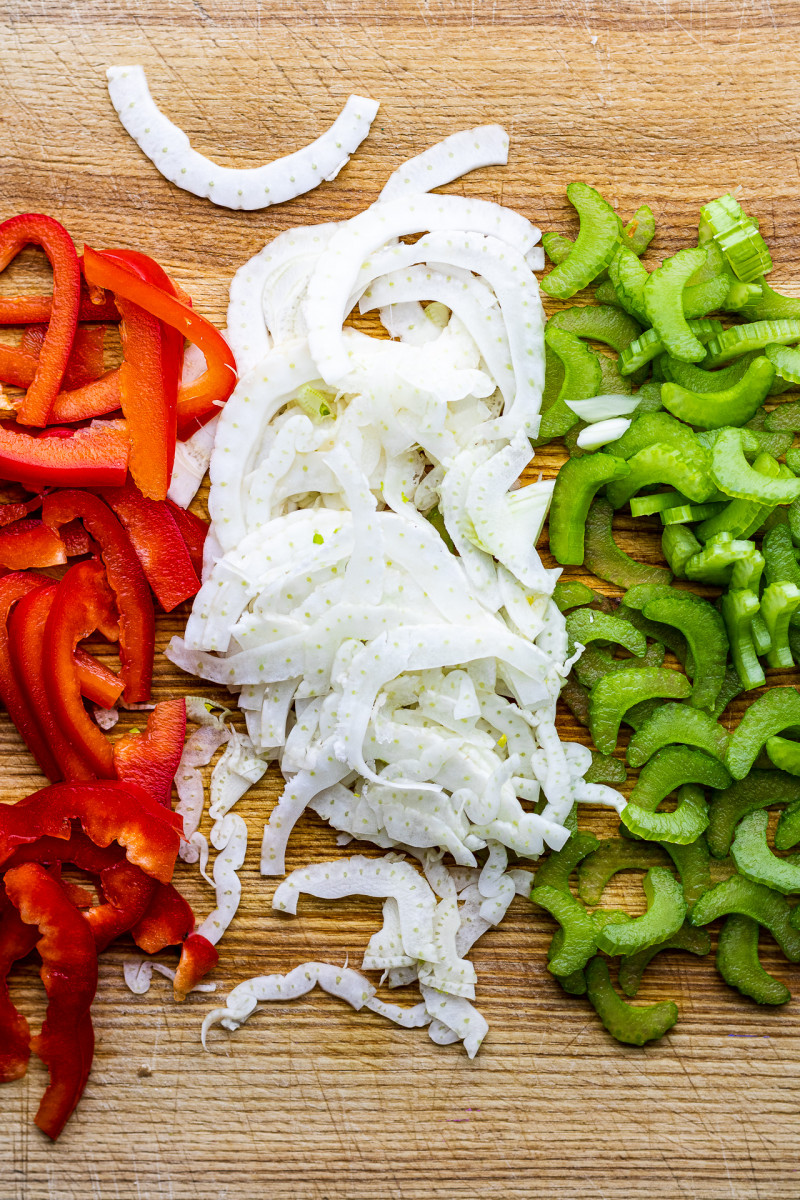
<point x="86" y="357"/>
<point x="26" y="642"/>
<point x="83" y="603"/>
<point x="198" y="957"/>
<point x="146" y="404"/>
<point x="30" y="543"/>
<point x="18" y="509"/>
<point x="128" y="583"/>
<point x="108" y="811"/>
<point x="12" y="588"/>
<point x="96" y="456"/>
<point x="150" y="759"/>
<point x="17" y="367"/>
<point x="194" y="531"/>
<point x="69" y="975"/>
<point x="58" y="246"/>
<point x="158" y="543"/>
<point x="16" y="941"/>
<point x="75" y="538"/>
<point x="126" y="892"/>
<point x="79" y="897"/>
<point x="198" y="402"/>
<point x="96" y="681"/>
<point x="77" y="849"/>
<point x="148" y="269"/>
<point x="36" y="310"/>
<point x="167" y="921"/>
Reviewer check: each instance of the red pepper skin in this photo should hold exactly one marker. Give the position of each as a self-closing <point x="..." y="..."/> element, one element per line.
<point x="150" y="759"/>
<point x="85" y="359"/>
<point x="97" y="683"/>
<point x="26" y="642"/>
<point x="82" y="603"/>
<point x="198" y="402"/>
<point x="167" y="921"/>
<point x="128" y="583"/>
<point x="96" y="399"/>
<point x="30" y="543"/>
<point x="57" y="244"/>
<point x="108" y="812"/>
<point x="158" y="543"/>
<point x="16" y="941"/>
<point x="198" y="957"/>
<point x="75" y="538"/>
<point x="96" y="456"/>
<point x="14" y="587"/>
<point x="194" y="531"/>
<point x="69" y="975"/>
<point x="127" y="892"/>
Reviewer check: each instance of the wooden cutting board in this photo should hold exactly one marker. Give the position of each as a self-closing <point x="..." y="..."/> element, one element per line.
<point x="668" y="102"/>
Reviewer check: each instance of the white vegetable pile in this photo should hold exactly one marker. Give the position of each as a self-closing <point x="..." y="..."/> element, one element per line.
<point x="170" y="150"/>
<point x="407" y="693"/>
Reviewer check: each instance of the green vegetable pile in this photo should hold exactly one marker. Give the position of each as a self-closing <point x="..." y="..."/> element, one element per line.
<point x="705" y="455"/>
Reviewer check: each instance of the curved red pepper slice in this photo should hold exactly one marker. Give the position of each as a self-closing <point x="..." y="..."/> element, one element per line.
<point x="96" y="456"/>
<point x="85" y="359"/>
<point x="194" y="531"/>
<point x="26" y="642"/>
<point x="14" y="587"/>
<point x="69" y="975"/>
<point x="58" y="246"/>
<point x="127" y="892"/>
<point x="16" y="941"/>
<point x="167" y="921"/>
<point x="158" y="543"/>
<point x="198" y="957"/>
<point x="30" y="543"/>
<point x="77" y="849"/>
<point x="96" y="681"/>
<point x="108" y="812"/>
<point x="128" y="583"/>
<point x="198" y="402"/>
<point x="150" y="759"/>
<point x="83" y="603"/>
<point x="172" y="359"/>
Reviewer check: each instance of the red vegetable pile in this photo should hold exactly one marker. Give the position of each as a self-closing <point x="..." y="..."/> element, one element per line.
<point x="86" y="490"/>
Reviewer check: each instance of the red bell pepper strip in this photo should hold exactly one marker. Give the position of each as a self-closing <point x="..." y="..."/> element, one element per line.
<point x="77" y="849"/>
<point x="194" y="531"/>
<point x="147" y="406"/>
<point x="69" y="975"/>
<point x="16" y="941"/>
<point x="17" y="510"/>
<point x="17" y="367"/>
<point x="30" y="543"/>
<point x="150" y="759"/>
<point x="96" y="399"/>
<point x="12" y="588"/>
<point x="96" y="681"/>
<point x="158" y="543"/>
<point x="36" y="310"/>
<point x="96" y="456"/>
<point x="85" y="359"/>
<point x="83" y="602"/>
<point x="167" y="921"/>
<point x="26" y="642"/>
<point x="198" y="402"/>
<point x="75" y="538"/>
<point x="128" y="583"/>
<point x="198" y="957"/>
<point x="57" y="244"/>
<point x="127" y="892"/>
<point x="148" y="269"/>
<point x="108" y="811"/>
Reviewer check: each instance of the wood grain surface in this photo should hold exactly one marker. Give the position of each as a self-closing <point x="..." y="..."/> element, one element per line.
<point x="672" y="103"/>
